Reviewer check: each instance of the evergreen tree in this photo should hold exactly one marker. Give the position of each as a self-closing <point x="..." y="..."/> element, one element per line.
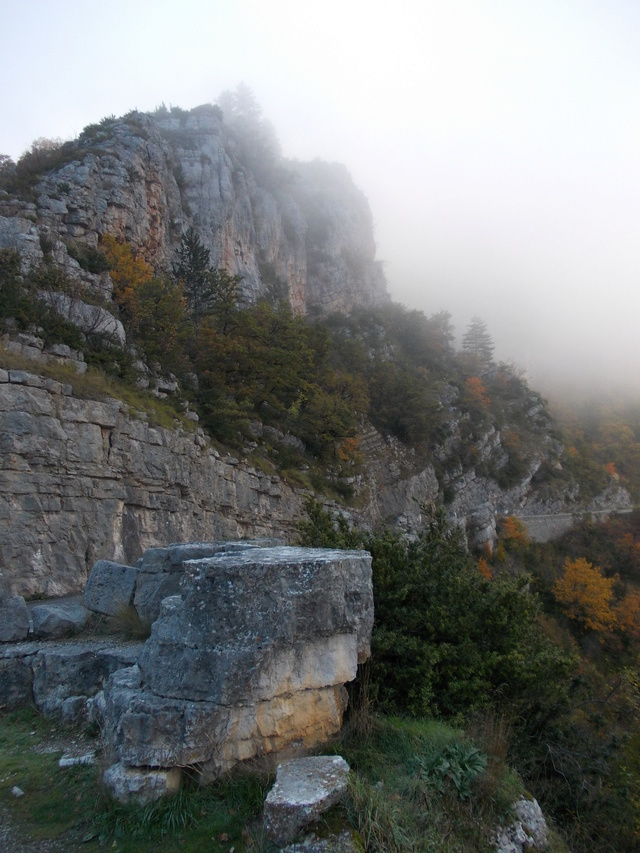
<point x="191" y="268"/>
<point x="204" y="288"/>
<point x="477" y="342"/>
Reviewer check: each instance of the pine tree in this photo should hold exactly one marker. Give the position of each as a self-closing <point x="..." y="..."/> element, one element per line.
<point x="477" y="342"/>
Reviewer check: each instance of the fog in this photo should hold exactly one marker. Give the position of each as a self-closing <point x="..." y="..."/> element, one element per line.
<point x="497" y="141"/>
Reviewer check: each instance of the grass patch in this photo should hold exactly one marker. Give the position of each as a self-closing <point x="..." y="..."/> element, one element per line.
<point x="421" y="785"/>
<point x="56" y="802"/>
<point x="71" y="807"/>
<point x="128" y="624"/>
<point x="396" y="804"/>
<point x="95" y="385"/>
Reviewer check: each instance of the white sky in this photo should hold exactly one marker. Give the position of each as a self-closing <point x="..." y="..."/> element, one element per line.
<point x="498" y="141"/>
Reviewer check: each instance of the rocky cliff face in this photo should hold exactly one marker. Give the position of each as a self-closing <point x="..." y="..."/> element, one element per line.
<point x="83" y="480"/>
<point x="290" y="230"/>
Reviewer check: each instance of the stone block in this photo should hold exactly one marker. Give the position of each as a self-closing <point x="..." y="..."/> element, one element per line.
<point x="110" y="587"/>
<point x="160" y="569"/>
<point x="304" y="789"/>
<point x="285" y="618"/>
<point x="16" y="677"/>
<point x="154" y="731"/>
<point x="14" y="619"/>
<point x="63" y="670"/>
<point x="128" y="784"/>
<point x="58" y="620"/>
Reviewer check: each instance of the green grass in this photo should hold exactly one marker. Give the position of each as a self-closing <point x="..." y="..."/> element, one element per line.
<point x="395" y="804"/>
<point x="397" y="807"/>
<point x="55" y="801"/>
<point x="70" y="806"/>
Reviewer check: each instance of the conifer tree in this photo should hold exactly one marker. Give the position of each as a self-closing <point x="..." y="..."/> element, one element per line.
<point x="477" y="342"/>
<point x="192" y="269"/>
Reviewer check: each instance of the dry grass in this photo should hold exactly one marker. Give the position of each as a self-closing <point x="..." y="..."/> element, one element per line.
<point x="128" y="623"/>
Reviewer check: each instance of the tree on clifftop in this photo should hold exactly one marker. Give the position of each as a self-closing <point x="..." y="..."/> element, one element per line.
<point x="477" y="342"/>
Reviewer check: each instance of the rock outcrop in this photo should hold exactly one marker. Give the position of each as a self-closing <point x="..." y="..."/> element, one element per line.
<point x="304" y="789"/>
<point x="292" y="230"/>
<point x="83" y="480"/>
<point x="250" y="660"/>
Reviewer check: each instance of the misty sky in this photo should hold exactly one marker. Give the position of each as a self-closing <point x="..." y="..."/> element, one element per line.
<point x="498" y="141"/>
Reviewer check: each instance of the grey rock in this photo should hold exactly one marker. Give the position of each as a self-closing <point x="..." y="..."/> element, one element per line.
<point x="90" y="319"/>
<point x="528" y="831"/>
<point x="61" y="671"/>
<point x="16" y="676"/>
<point x="110" y="587"/>
<point x="74" y="710"/>
<point x="303" y="790"/>
<point x="17" y="792"/>
<point x="58" y="619"/>
<point x="14" y="619"/>
<point x="287" y="618"/>
<point x="84" y="480"/>
<point x="96" y="706"/>
<point x="84" y="760"/>
<point x="160" y="570"/>
<point x="143" y="786"/>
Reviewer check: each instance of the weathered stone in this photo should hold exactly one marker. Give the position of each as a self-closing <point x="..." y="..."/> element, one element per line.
<point x="528" y="831"/>
<point x="16" y="676"/>
<point x="73" y="710"/>
<point x="14" y="619"/>
<point x="83" y="480"/>
<point x="250" y="660"/>
<point x="150" y="730"/>
<point x="83" y="760"/>
<point x="141" y="785"/>
<point x="160" y="569"/>
<point x="303" y="790"/>
<point x="287" y="618"/>
<point x="110" y="587"/>
<point x="90" y="319"/>
<point x="61" y="671"/>
<point x="55" y="620"/>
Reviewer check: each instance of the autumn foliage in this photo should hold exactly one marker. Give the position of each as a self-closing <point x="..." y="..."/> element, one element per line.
<point x="513" y="530"/>
<point x="128" y="272"/>
<point x="478" y="392"/>
<point x="586" y="595"/>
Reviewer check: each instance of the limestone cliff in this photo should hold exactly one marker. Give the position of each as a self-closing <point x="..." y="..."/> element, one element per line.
<point x="82" y="480"/>
<point x="300" y="231"/>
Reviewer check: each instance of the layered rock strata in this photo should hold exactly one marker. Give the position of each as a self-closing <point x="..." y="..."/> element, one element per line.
<point x="82" y="480"/>
<point x="250" y="660"/>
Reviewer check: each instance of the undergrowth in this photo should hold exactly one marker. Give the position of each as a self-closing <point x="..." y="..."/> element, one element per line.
<point x="402" y="798"/>
<point x="95" y="385"/>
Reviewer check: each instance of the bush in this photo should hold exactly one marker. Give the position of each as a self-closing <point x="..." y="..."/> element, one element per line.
<point x="446" y="639"/>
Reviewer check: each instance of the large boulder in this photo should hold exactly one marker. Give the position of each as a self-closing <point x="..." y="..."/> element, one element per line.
<point x="110" y="587"/>
<point x="286" y="619"/>
<point x="58" y="619"/>
<point x="160" y="570"/>
<point x="250" y="659"/>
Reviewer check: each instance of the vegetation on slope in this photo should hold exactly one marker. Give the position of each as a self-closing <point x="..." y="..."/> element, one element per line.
<point x="458" y="637"/>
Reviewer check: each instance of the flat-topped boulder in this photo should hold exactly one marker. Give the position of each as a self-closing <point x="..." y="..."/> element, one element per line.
<point x="249" y="659"/>
<point x="262" y="622"/>
<point x="159" y="570"/>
